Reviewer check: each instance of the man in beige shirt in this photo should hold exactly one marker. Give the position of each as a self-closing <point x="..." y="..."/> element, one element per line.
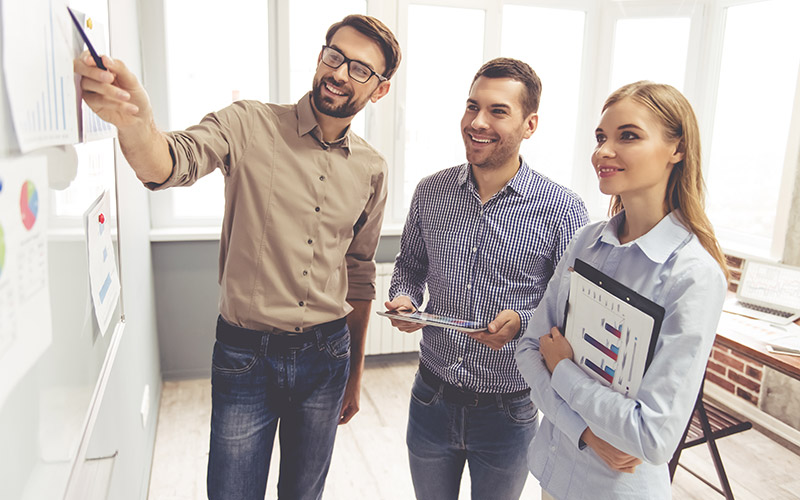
<point x="304" y="201"/>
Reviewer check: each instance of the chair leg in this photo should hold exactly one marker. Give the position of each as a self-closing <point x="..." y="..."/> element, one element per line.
<point x="673" y="462"/>
<point x="712" y="447"/>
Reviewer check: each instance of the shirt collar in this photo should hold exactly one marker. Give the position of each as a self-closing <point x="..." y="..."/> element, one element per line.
<point x="518" y="184"/>
<point x="657" y="244"/>
<point x="307" y="124"/>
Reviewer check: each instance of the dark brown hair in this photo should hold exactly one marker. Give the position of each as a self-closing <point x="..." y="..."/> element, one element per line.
<point x="375" y="30"/>
<point x="505" y="67"/>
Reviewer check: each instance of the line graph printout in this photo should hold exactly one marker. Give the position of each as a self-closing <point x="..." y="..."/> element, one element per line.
<point x="610" y="337"/>
<point x="39" y="79"/>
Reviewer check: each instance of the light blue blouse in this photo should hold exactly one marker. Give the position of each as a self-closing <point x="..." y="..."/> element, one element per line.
<point x="669" y="266"/>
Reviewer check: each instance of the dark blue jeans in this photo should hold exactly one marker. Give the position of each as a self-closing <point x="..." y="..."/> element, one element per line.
<point x="254" y="389"/>
<point x="493" y="439"/>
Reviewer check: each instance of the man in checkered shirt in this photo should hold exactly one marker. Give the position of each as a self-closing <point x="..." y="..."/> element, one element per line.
<point x="485" y="238"/>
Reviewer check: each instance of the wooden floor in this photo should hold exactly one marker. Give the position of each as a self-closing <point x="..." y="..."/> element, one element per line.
<point x="370" y="462"/>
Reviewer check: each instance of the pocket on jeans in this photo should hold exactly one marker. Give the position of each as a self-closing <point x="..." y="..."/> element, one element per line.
<point x="338" y="344"/>
<point x="230" y="359"/>
<point x="422" y="393"/>
<point x="521" y="410"/>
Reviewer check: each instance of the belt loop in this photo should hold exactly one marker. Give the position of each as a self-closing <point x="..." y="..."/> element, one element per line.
<point x="319" y="334"/>
<point x="499" y="401"/>
<point x="264" y="344"/>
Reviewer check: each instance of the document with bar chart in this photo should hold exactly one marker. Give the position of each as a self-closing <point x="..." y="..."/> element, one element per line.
<point x="611" y="328"/>
<point x="38" y="49"/>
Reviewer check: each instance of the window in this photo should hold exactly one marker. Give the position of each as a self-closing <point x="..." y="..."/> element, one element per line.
<point x="214" y="56"/>
<point x="736" y="60"/>
<point x="82" y="175"/>
<point x="551" y="149"/>
<point x="433" y="115"/>
<point x="653" y="49"/>
<point x="750" y="155"/>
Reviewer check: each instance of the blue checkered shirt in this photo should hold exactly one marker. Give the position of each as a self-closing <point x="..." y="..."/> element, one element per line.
<point x="479" y="259"/>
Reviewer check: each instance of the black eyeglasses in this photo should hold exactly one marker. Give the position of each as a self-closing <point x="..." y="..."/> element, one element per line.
<point x="358" y="71"/>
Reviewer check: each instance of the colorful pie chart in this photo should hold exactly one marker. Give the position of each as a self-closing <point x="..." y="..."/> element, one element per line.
<point x="29" y="204"/>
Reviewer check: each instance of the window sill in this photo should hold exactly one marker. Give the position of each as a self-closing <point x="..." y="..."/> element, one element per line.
<point x="211" y="233"/>
<point x="200" y="233"/>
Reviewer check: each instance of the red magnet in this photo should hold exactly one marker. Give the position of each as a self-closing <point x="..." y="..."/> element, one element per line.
<point x="102" y="219"/>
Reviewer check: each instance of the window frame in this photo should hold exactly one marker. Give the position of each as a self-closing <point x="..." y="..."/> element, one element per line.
<point x="385" y="120"/>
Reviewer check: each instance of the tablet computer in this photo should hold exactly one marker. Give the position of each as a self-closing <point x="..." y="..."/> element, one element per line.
<point x="435" y="320"/>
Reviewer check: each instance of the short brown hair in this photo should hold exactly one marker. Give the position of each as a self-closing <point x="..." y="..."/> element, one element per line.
<point x="505" y="67"/>
<point x="377" y="31"/>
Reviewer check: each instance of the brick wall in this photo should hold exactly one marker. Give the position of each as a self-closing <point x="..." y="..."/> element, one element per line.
<point x="730" y="370"/>
<point x="736" y="373"/>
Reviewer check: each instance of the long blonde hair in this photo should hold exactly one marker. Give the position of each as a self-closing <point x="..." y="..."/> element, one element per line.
<point x="686" y="187"/>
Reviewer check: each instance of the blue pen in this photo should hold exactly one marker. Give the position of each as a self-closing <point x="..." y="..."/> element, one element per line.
<point x="97" y="59"/>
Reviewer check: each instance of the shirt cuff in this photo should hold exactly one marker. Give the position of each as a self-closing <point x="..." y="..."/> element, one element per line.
<point x="569" y="421"/>
<point x="361" y="291"/>
<point x="524" y="318"/>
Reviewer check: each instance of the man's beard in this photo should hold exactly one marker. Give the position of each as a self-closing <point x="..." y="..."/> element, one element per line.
<point x="325" y="106"/>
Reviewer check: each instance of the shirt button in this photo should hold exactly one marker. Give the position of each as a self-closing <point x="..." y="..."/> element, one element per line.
<point x="552" y="448"/>
<point x="460" y="359"/>
<point x="322" y="177"/>
<point x="305" y="273"/>
<point x="474" y="249"/>
<point x="460" y="384"/>
<point x="310" y="241"/>
<point x="297" y="328"/>
<point x="316" y="209"/>
<point x="469" y="286"/>
<point x="301" y="303"/>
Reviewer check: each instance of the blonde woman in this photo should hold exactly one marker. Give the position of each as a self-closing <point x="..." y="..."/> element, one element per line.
<point x="594" y="442"/>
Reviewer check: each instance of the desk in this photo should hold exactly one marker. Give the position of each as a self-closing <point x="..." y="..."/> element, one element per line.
<point x="758" y="385"/>
<point x="754" y="348"/>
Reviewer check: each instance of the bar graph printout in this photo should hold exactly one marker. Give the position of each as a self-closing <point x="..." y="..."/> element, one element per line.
<point x="612" y="329"/>
<point x="38" y="50"/>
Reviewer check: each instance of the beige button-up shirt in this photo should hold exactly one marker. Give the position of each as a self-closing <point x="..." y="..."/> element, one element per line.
<point x="302" y="217"/>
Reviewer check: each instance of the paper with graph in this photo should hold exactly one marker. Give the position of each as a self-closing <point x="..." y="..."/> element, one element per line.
<point x="611" y="328"/>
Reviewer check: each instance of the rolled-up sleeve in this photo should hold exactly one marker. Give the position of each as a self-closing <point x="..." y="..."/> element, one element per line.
<point x="217" y="142"/>
<point x="360" y="256"/>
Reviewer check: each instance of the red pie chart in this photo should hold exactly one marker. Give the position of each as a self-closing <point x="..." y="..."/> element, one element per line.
<point x="29" y="204"/>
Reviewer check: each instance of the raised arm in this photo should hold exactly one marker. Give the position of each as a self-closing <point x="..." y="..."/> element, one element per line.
<point x="118" y="98"/>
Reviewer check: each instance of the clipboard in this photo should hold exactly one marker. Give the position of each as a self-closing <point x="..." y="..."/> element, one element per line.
<point x="613" y="330"/>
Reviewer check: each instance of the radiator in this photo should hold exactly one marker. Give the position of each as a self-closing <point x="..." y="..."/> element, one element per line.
<point x="382" y="337"/>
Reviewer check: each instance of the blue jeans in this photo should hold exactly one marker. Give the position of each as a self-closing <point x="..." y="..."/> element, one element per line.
<point x="493" y="439"/>
<point x="252" y="389"/>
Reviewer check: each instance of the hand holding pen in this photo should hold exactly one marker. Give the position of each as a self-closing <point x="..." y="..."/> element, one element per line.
<point x="110" y="89"/>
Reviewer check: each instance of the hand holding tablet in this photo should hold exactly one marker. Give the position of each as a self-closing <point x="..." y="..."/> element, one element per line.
<point x="434" y="320"/>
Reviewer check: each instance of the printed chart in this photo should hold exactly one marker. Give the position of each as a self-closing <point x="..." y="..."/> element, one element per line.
<point x="25" y="320"/>
<point x="609" y="337"/>
<point x="29" y="204"/>
<point x="39" y="80"/>
<point x="103" y="274"/>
